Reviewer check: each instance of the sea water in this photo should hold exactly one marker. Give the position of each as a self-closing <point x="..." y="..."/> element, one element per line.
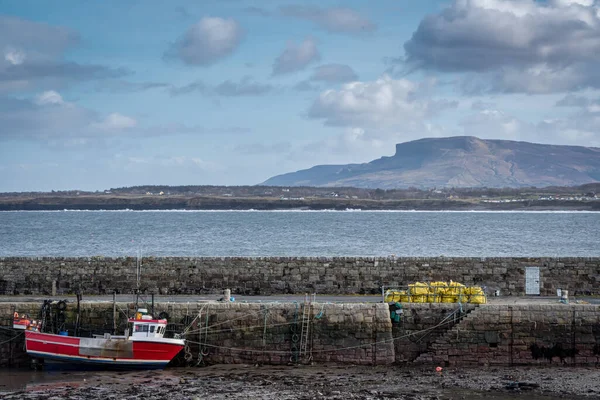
<point x="299" y="233"/>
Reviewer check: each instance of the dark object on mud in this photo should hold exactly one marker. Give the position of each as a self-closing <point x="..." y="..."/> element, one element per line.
<point x="522" y="386"/>
<point x="549" y="353"/>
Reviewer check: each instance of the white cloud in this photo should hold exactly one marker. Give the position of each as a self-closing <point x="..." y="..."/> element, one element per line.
<point x="207" y="41"/>
<point x="495" y="124"/>
<point x="334" y="73"/>
<point x="528" y="46"/>
<point x="247" y="86"/>
<point x="42" y="41"/>
<point x="351" y="141"/>
<point x="567" y="3"/>
<point x="336" y="19"/>
<point x="543" y="79"/>
<point x="296" y="57"/>
<point x="572" y="100"/>
<point x="579" y="128"/>
<point x="356" y="145"/>
<point x="48" y="117"/>
<point x="385" y="102"/>
<point x="306" y="86"/>
<point x="33" y="57"/>
<point x="49" y="97"/>
<point x="593" y="108"/>
<point x="375" y="115"/>
<point x="14" y="57"/>
<point x="116" y="121"/>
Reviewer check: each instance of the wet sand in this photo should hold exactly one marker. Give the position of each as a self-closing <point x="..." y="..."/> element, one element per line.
<point x="308" y="382"/>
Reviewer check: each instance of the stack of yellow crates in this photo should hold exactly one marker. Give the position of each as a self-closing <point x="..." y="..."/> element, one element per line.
<point x="437" y="292"/>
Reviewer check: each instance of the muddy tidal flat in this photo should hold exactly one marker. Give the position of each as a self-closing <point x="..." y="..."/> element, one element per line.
<point x="307" y="382"/>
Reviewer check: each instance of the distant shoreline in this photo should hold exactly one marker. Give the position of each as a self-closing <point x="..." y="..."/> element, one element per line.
<point x="206" y="203"/>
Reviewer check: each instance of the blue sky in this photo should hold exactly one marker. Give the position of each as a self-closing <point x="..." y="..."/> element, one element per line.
<point x="101" y="94"/>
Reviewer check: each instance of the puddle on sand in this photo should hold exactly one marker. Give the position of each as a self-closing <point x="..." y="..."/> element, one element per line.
<point x="30" y="380"/>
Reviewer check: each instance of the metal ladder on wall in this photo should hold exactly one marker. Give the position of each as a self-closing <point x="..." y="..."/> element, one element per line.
<point x="305" y="329"/>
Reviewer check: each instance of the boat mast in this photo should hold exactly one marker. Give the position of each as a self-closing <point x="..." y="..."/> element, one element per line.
<point x="138" y="275"/>
<point x="78" y="320"/>
<point x="114" y="312"/>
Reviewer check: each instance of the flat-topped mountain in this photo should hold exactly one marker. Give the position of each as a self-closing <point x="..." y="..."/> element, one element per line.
<point x="462" y="161"/>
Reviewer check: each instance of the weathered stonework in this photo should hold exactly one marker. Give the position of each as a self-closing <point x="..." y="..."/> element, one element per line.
<point x="269" y="333"/>
<point x="276" y="275"/>
<point x="521" y="335"/>
<point x="357" y="333"/>
<point x="422" y="324"/>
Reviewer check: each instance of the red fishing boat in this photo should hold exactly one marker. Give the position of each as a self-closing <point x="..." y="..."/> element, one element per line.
<point x="142" y="346"/>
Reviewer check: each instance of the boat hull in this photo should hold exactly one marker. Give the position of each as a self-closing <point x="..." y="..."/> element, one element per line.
<point x="107" y="352"/>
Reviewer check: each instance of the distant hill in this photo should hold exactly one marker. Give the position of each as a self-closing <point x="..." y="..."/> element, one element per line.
<point x="462" y="161"/>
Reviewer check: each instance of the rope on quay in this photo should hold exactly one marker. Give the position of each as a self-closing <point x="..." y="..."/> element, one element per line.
<point x="444" y="322"/>
<point x="318" y="316"/>
<point x="250" y="327"/>
<point x="187" y="329"/>
<point x="205" y="329"/>
<point x="452" y="314"/>
<point x="227" y="321"/>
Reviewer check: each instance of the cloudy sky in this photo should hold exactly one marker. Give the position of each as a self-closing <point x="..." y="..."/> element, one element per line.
<point x="101" y="94"/>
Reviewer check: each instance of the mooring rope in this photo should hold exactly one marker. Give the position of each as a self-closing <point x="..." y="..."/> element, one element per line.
<point x="384" y="341"/>
<point x="230" y="320"/>
<point x="452" y="314"/>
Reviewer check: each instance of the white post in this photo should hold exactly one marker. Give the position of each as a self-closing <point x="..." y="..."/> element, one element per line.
<point x="227" y="296"/>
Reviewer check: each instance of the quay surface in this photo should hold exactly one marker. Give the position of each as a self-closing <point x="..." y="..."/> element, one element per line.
<point x="292" y="298"/>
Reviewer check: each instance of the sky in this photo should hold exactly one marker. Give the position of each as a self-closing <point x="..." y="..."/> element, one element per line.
<point x="104" y="94"/>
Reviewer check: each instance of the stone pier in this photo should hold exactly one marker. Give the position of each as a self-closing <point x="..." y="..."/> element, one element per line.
<point x="284" y="275"/>
<point x="281" y="333"/>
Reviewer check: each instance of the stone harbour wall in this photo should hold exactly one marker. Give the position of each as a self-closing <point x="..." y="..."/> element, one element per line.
<point x="521" y="335"/>
<point x="421" y="324"/>
<point x="12" y="345"/>
<point x="228" y="333"/>
<point x="279" y="275"/>
<point x="357" y="333"/>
